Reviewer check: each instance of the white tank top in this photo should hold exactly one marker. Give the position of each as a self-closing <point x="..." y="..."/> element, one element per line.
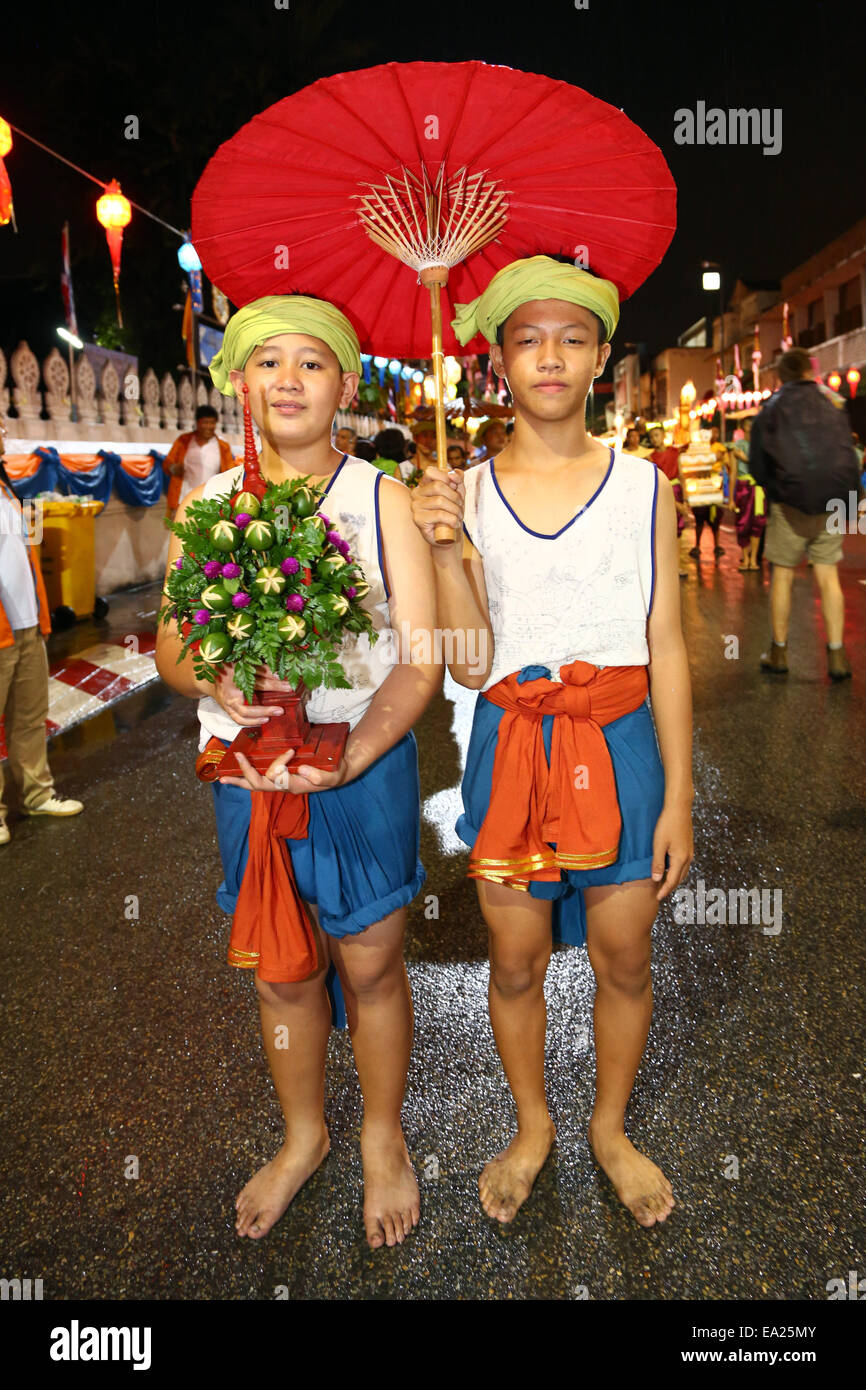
<point x="351" y="503"/>
<point x="583" y="594"/>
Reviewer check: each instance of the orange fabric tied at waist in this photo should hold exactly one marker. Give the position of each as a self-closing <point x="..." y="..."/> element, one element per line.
<point x="271" y="932"/>
<point x="573" y="802"/>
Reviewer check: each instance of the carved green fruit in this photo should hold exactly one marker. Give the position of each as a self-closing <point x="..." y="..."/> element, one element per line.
<point x="217" y="598"/>
<point x="225" y="535"/>
<point x="215" y="648"/>
<point x="269" y="580"/>
<point x="259" y="535"/>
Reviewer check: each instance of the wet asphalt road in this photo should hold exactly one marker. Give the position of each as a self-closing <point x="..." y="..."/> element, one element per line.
<point x="137" y="1099"/>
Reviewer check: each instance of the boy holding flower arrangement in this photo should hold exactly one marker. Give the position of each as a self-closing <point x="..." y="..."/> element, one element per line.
<point x="333" y="852"/>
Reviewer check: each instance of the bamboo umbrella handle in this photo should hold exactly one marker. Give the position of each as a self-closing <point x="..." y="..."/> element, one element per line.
<point x="434" y="277"/>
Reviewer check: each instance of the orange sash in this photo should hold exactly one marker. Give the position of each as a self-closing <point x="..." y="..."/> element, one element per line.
<point x="271" y="932"/>
<point x="573" y="803"/>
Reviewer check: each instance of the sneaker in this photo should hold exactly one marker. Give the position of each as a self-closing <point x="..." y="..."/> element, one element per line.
<point x="838" y="665"/>
<point x="5" y="837"/>
<point x="54" y="806"/>
<point x="775" y="660"/>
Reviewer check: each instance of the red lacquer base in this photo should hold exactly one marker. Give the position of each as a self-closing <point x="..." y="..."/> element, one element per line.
<point x="316" y="745"/>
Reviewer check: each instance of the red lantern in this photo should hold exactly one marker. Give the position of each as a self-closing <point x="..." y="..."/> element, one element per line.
<point x="7" y="211"/>
<point x="834" y="381"/>
<point x="114" y="212"/>
<point x="852" y="376"/>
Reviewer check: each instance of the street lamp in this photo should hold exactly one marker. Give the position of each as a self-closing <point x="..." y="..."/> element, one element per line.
<point x="73" y="342"/>
<point x="712" y="280"/>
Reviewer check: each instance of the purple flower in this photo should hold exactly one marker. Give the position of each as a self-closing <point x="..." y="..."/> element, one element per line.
<point x="322" y="517"/>
<point x="240" y="600"/>
<point x="333" y="536"/>
<point x="290" y="566"/>
<point x="212" y="569"/>
<point x="202" y="617"/>
<point x="230" y="570"/>
<point x="295" y="604"/>
<point x="351" y="591"/>
<point x="343" y="548"/>
<point x="242" y="519"/>
<point x="178" y="564"/>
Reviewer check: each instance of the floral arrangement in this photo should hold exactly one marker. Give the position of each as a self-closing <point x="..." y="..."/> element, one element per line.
<point x="265" y="579"/>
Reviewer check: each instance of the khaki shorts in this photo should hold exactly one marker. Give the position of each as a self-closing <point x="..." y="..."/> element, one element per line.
<point x="791" y="534"/>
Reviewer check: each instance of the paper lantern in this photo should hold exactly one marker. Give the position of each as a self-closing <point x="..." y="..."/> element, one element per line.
<point x="852" y="376"/>
<point x="114" y="212"/>
<point x="7" y="211"/>
<point x="5" y="138"/>
<point x="834" y="381"/>
<point x="188" y="257"/>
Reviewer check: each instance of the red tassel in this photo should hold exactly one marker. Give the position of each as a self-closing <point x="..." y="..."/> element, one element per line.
<point x="253" y="480"/>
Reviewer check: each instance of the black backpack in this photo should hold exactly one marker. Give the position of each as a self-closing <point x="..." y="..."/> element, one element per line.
<point x="808" y="440"/>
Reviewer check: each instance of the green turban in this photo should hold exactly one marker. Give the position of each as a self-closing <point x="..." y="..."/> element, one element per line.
<point x="283" y="313"/>
<point x="538" y="277"/>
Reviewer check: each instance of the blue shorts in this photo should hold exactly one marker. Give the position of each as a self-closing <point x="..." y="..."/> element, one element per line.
<point x="359" y="861"/>
<point x="640" y="789"/>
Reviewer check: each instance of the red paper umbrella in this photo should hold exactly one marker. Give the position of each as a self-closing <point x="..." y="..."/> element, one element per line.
<point x="454" y="169"/>
<point x="554" y="169"/>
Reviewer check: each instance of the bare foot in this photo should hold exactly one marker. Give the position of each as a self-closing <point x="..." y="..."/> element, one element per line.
<point x="267" y="1194"/>
<point x="507" y="1180"/>
<point x="392" y="1203"/>
<point x="639" y="1184"/>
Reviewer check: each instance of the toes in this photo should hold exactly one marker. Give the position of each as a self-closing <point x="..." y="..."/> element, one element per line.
<point x="375" y="1235"/>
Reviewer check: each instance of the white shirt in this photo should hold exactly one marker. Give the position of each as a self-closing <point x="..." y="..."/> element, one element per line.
<point x="583" y="594"/>
<point x="17" y="586"/>
<point x="201" y="463"/>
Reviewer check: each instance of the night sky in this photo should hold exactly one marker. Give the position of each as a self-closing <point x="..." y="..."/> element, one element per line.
<point x="193" y="73"/>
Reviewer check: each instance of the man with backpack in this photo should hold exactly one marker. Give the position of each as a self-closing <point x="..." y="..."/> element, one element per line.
<point x="802" y="455"/>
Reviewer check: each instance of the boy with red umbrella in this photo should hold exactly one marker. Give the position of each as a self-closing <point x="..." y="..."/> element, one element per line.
<point x="577" y="824"/>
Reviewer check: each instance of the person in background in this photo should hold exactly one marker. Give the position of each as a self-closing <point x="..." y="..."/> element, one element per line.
<point x="364" y="449"/>
<point x="749" y="501"/>
<point x="196" y="457"/>
<point x="711" y="514"/>
<point x="390" y="446"/>
<point x="457" y="454"/>
<point x="631" y="443"/>
<point x="665" y="457"/>
<point x="801" y="452"/>
<point x="25" y="623"/>
<point x="345" y="441"/>
<point x="424" y="437"/>
<point x="492" y="439"/>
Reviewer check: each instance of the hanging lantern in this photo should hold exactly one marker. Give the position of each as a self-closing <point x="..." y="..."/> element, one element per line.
<point x="187" y="256"/>
<point x="852" y="376"/>
<point x="114" y="212"/>
<point x="7" y="211"/>
<point x="834" y="381"/>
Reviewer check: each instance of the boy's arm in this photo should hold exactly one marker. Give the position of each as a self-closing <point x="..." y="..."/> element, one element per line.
<point x="461" y="594"/>
<point x="412" y="682"/>
<point x="671" y="698"/>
